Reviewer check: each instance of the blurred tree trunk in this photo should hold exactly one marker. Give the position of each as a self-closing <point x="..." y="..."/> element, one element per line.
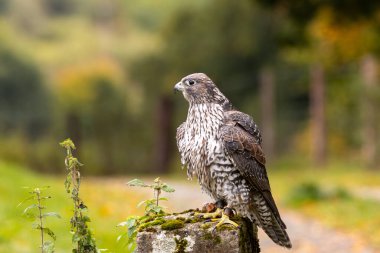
<point x="267" y="107"/>
<point x="163" y="120"/>
<point x="369" y="134"/>
<point x="317" y="112"/>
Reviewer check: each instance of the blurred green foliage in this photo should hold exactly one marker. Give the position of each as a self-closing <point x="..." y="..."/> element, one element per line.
<point x="102" y="73"/>
<point x="24" y="99"/>
<point x="309" y="192"/>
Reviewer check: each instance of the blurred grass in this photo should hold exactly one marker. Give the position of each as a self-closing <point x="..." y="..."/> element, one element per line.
<point x="110" y="202"/>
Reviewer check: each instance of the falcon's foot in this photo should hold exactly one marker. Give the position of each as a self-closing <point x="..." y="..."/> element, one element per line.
<point x="225" y="219"/>
<point x="221" y="216"/>
<point x="212" y="215"/>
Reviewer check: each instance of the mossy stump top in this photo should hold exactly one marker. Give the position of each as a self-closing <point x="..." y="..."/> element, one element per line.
<point x="184" y="232"/>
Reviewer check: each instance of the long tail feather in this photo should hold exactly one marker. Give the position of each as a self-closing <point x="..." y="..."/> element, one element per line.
<point x="277" y="233"/>
<point x="270" y="221"/>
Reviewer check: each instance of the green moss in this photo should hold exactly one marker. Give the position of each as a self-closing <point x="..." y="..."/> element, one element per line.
<point x="145" y="219"/>
<point x="207" y="236"/>
<point x="194" y="219"/>
<point x="172" y="224"/>
<point x="157" y="221"/>
<point x="181" y="218"/>
<point x="206" y="226"/>
<point x="211" y="237"/>
<point x="227" y="228"/>
<point x="180" y="245"/>
<point x="149" y="218"/>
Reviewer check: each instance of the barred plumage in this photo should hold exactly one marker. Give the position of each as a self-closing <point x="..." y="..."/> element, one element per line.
<point x="221" y="148"/>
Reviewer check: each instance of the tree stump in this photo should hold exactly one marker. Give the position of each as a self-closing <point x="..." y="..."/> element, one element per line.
<point x="185" y="232"/>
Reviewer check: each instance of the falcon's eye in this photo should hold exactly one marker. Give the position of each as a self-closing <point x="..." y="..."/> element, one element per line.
<point x="190" y="82"/>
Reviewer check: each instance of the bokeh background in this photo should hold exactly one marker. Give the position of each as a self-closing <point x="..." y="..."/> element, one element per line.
<point x="102" y="73"/>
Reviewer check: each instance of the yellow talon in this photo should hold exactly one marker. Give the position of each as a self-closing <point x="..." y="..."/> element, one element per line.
<point x="218" y="216"/>
<point x="225" y="220"/>
<point x="218" y="212"/>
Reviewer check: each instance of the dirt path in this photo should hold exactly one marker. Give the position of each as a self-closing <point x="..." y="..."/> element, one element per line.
<point x="308" y="236"/>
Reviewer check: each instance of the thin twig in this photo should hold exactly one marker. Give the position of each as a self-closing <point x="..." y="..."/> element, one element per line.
<point x="41" y="221"/>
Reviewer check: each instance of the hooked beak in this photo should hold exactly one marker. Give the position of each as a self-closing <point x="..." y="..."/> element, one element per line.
<point x="178" y="87"/>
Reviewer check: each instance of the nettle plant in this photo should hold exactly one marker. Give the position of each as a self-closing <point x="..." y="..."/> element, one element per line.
<point x="152" y="209"/>
<point x="152" y="206"/>
<point x="82" y="239"/>
<point x="36" y="213"/>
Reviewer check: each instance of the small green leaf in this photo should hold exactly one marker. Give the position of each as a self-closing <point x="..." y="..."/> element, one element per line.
<point x="131" y="246"/>
<point x="122" y="236"/>
<point x="26" y="210"/>
<point x="49" y="232"/>
<point x="157" y="209"/>
<point x="68" y="143"/>
<point x="48" y="247"/>
<point x="137" y="182"/>
<point x="122" y="224"/>
<point x="131" y="232"/>
<point x="143" y="202"/>
<point x="75" y="238"/>
<point x="131" y="221"/>
<point x="43" y="188"/>
<point x="85" y="218"/>
<point x="51" y="214"/>
<point x="167" y="188"/>
<point x="74" y="162"/>
<point x="68" y="183"/>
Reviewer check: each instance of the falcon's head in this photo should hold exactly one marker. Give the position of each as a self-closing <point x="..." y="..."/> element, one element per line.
<point x="198" y="88"/>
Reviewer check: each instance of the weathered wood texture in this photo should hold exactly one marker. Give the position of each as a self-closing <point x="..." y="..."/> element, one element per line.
<point x="198" y="237"/>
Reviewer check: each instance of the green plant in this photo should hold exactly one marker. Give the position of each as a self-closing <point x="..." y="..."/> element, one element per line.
<point x="152" y="206"/>
<point x="36" y="213"/>
<point x="152" y="212"/>
<point x="83" y="240"/>
<point x="127" y="238"/>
